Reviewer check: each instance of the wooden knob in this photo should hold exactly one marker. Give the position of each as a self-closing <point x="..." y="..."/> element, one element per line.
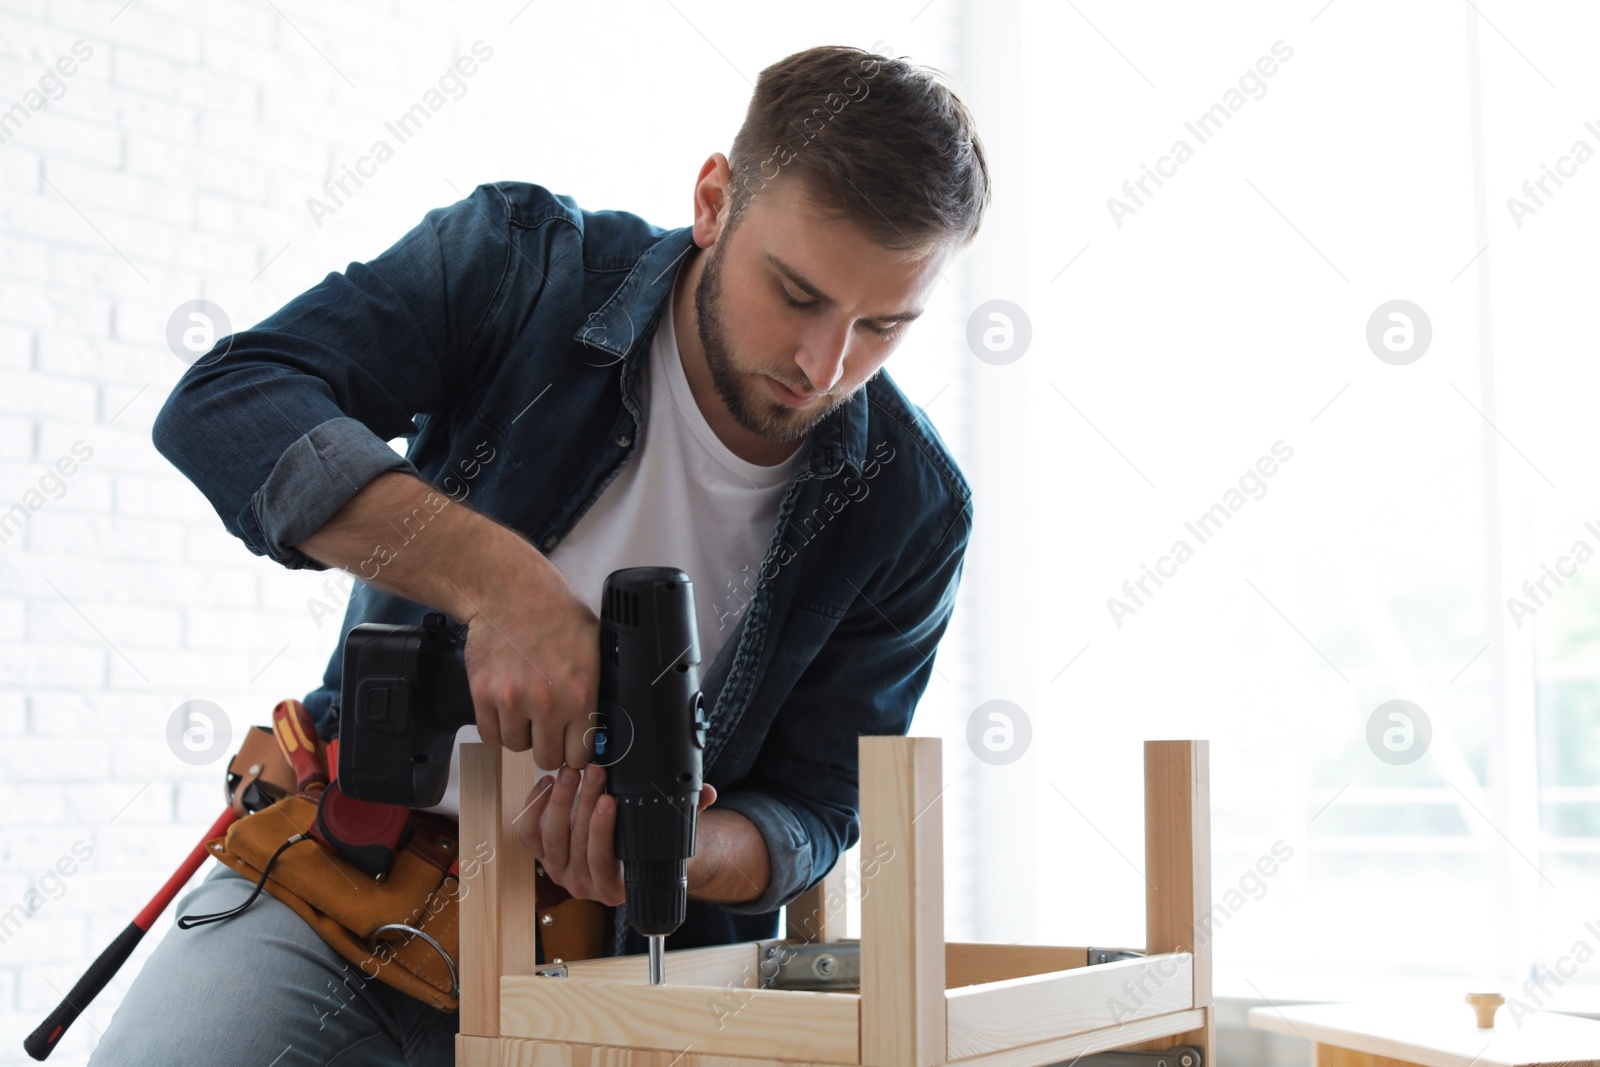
<point x="1485" y="1005"/>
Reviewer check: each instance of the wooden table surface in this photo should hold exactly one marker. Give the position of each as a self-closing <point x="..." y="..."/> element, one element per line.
<point x="1439" y="1034"/>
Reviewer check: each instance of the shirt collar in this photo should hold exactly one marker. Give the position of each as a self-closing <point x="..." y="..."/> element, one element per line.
<point x="624" y="324"/>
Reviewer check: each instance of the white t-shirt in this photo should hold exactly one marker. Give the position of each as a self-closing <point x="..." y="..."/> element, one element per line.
<point x="683" y="500"/>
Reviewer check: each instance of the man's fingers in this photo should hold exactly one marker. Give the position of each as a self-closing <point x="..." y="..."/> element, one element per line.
<point x="579" y="740"/>
<point x="556" y="823"/>
<point x="549" y="727"/>
<point x="519" y="717"/>
<point x="527" y="821"/>
<point x="488" y="716"/>
<point x="708" y="796"/>
<point x="604" y="868"/>
<point x="588" y="793"/>
<point x="516" y="731"/>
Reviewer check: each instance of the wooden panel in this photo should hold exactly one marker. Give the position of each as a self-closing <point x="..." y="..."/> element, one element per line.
<point x="479" y="908"/>
<point x="970" y="962"/>
<point x="818" y="914"/>
<point x="518" y="918"/>
<point x="523" y="1052"/>
<point x="1426" y="1031"/>
<point x="823" y="1027"/>
<point x="1066" y="1050"/>
<point x="902" y="903"/>
<point x="1020" y="1011"/>
<point x="718" y="965"/>
<point x="519" y="1052"/>
<point x="1177" y="851"/>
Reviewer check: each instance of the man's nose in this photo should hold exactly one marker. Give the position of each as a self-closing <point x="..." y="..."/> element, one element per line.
<point x="821" y="356"/>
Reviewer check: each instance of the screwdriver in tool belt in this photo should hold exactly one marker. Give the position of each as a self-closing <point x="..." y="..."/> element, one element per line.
<point x="297" y="737"/>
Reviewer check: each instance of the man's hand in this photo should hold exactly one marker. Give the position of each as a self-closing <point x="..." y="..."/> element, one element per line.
<point x="574" y="841"/>
<point x="533" y="644"/>
<point x="533" y="661"/>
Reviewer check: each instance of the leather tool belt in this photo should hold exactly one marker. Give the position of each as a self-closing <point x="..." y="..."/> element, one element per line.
<point x="403" y="931"/>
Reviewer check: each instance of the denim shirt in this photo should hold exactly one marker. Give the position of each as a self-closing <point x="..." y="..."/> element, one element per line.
<point x="503" y="337"/>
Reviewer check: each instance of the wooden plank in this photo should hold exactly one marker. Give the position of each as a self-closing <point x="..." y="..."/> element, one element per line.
<point x="518" y="912"/>
<point x="970" y="962"/>
<point x="1177" y="849"/>
<point x="479" y="906"/>
<point x="523" y="1052"/>
<point x="1439" y="1034"/>
<point x="996" y="1016"/>
<point x="477" y="1051"/>
<point x="902" y="903"/>
<point x="1063" y="1050"/>
<point x="818" y="914"/>
<point x="823" y="1027"/>
<point x="734" y="966"/>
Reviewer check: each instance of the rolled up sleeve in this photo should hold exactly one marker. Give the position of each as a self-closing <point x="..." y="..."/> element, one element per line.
<point x="312" y="480"/>
<point x="281" y="424"/>
<point x="803" y="791"/>
<point x="788" y="838"/>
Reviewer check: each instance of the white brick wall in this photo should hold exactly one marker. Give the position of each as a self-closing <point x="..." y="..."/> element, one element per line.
<point x="177" y="165"/>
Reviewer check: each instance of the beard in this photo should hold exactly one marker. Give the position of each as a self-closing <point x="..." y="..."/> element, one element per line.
<point x="748" y="401"/>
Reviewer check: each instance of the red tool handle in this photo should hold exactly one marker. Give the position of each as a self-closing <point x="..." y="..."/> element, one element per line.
<point x="42" y="1041"/>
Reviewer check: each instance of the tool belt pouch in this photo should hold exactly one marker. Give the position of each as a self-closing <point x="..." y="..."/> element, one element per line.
<point x="346" y="907"/>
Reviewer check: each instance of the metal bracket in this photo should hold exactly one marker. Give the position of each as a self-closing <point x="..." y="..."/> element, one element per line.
<point x="1176" y="1056"/>
<point x="836" y="966"/>
<point x="811" y="965"/>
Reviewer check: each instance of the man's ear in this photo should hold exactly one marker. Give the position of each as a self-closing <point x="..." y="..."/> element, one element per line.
<point x="713" y="199"/>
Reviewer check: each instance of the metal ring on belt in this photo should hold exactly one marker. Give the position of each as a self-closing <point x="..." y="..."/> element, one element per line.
<point x="455" y="983"/>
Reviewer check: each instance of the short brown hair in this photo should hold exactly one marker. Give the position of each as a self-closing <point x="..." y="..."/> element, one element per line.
<point x="883" y="142"/>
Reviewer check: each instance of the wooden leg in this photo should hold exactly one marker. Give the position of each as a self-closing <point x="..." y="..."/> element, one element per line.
<point x="497" y="881"/>
<point x="1177" y="863"/>
<point x="902" y="903"/>
<point x="480" y="891"/>
<point x="518" y="915"/>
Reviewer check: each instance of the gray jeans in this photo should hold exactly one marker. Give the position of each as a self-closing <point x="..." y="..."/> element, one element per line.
<point x="263" y="990"/>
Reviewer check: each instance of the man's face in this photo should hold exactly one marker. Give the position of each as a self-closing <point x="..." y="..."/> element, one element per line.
<point x="796" y="311"/>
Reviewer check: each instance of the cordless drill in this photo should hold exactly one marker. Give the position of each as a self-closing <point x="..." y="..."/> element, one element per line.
<point x="405" y="695"/>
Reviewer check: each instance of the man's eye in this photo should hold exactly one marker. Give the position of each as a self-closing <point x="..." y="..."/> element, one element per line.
<point x="793" y="302"/>
<point x="884" y="331"/>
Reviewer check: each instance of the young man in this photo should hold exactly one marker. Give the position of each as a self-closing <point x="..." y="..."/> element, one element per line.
<point x="584" y="391"/>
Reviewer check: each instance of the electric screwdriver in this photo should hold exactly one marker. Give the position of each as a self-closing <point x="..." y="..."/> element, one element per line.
<point x="404" y="696"/>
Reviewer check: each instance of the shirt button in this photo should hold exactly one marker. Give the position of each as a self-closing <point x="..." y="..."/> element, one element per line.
<point x="548" y="543"/>
<point x="622" y="440"/>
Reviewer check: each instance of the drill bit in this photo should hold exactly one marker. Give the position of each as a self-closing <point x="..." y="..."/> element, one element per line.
<point x="658" y="961"/>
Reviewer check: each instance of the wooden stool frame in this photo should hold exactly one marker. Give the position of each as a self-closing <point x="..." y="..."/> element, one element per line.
<point x="922" y="1002"/>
